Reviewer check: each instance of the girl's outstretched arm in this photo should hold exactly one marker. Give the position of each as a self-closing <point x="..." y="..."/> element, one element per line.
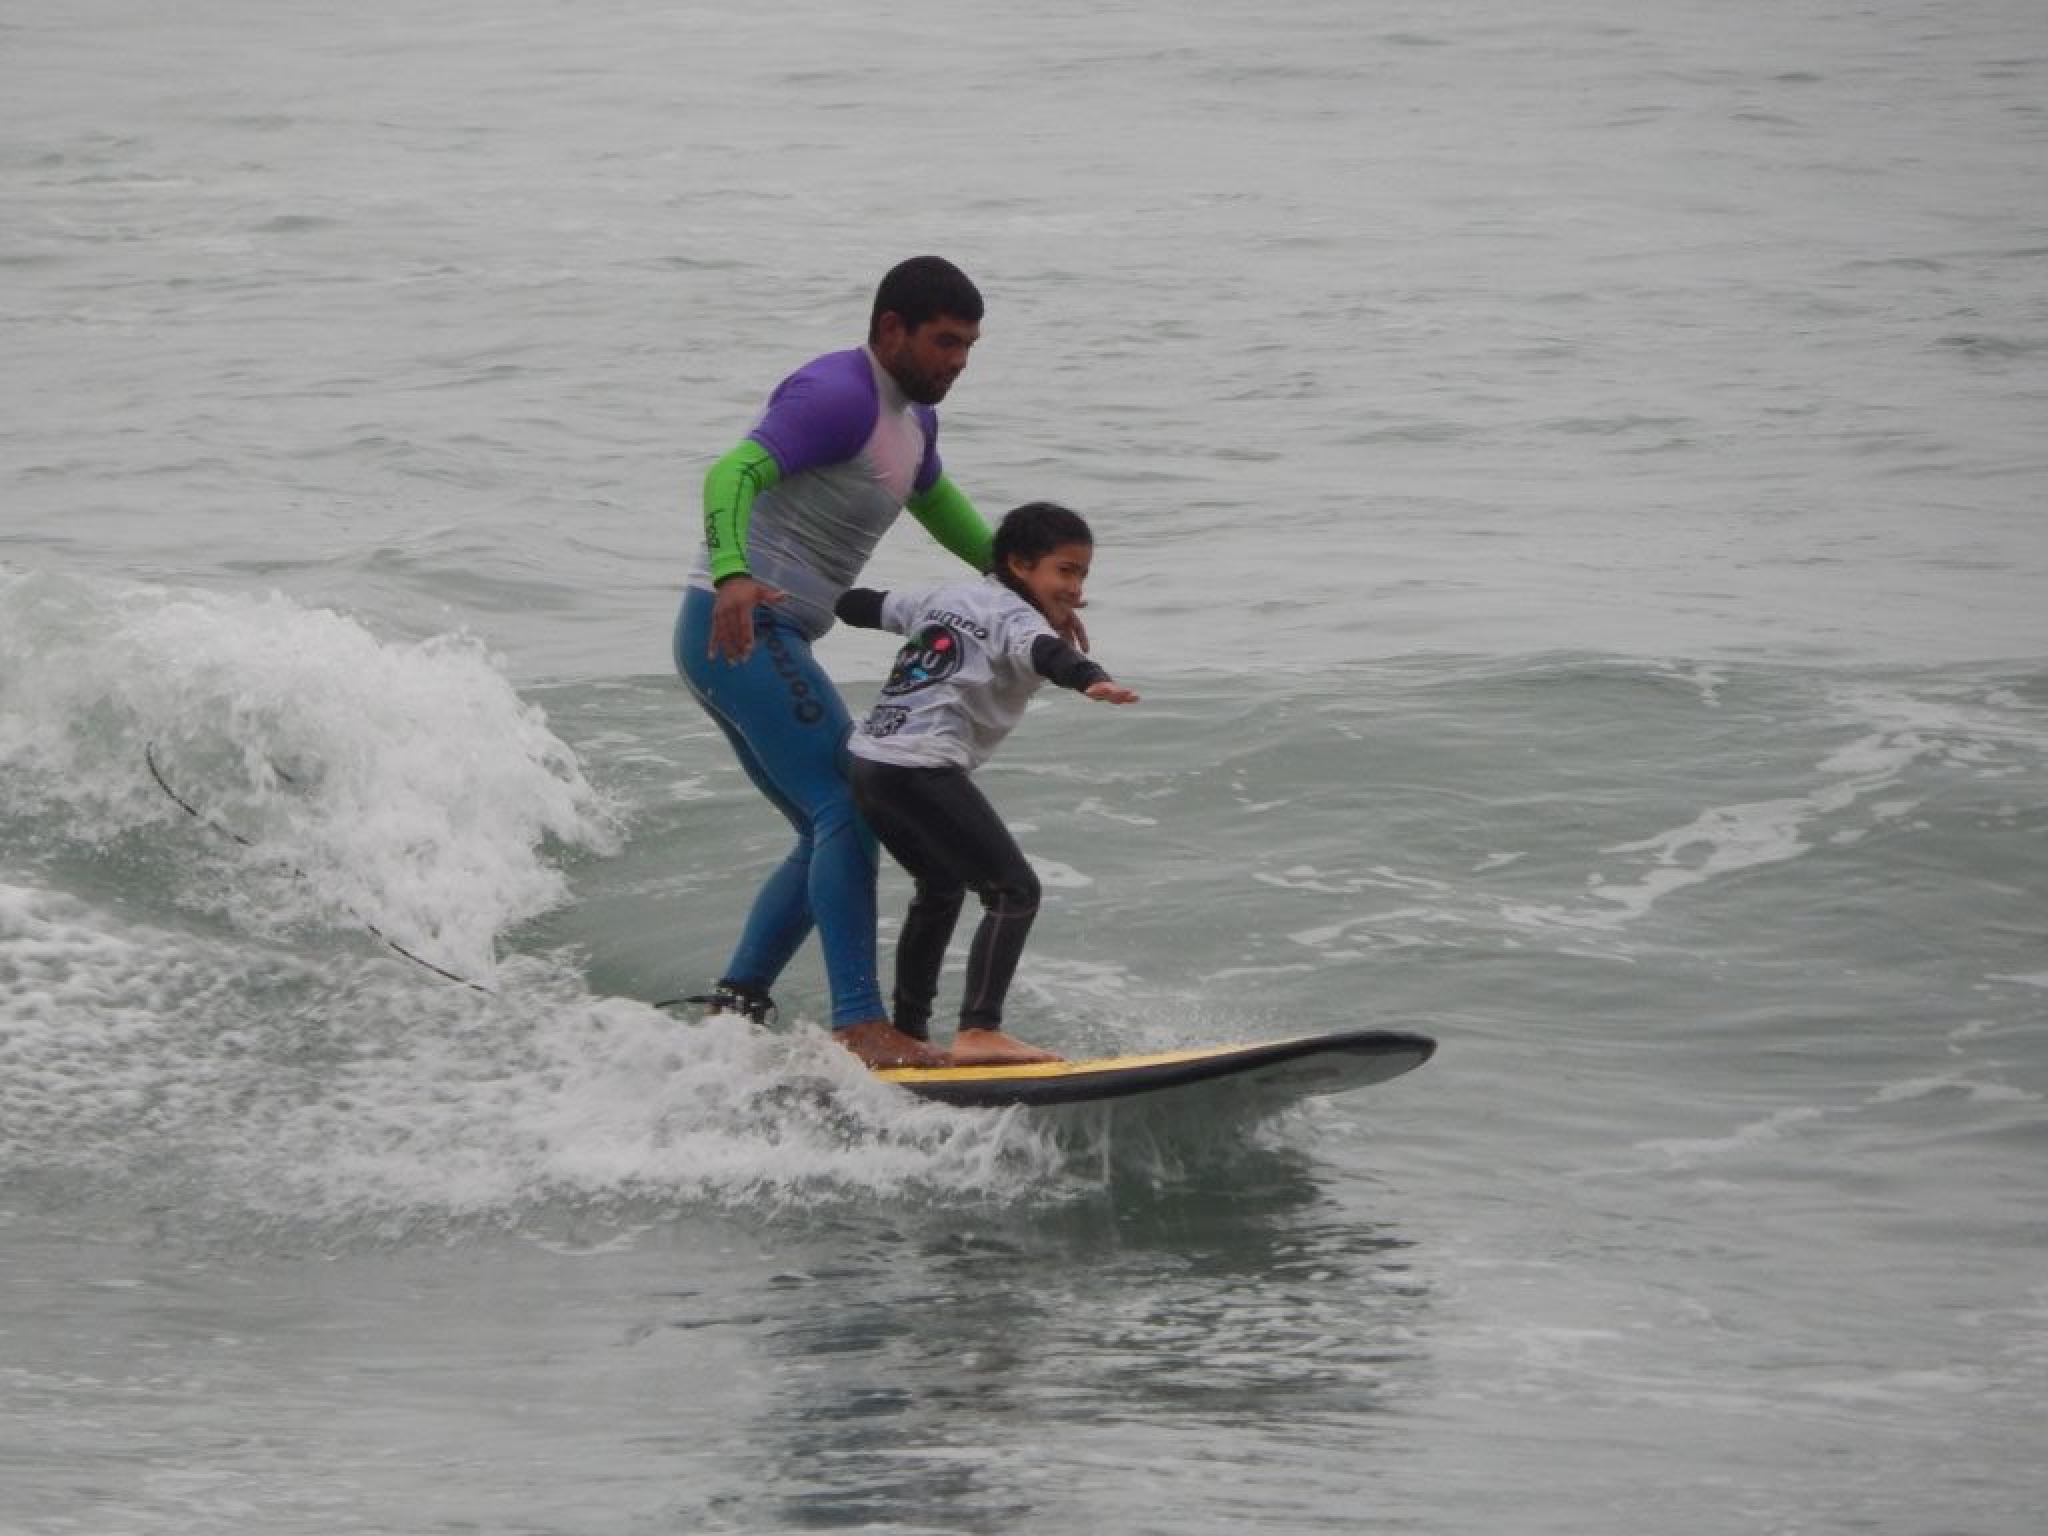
<point x="1058" y="662"/>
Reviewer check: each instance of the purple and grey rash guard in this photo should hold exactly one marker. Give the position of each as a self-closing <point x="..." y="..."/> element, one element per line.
<point x="851" y="448"/>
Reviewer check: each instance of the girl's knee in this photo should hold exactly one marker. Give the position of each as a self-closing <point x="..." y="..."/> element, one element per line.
<point x="935" y="893"/>
<point x="1017" y="891"/>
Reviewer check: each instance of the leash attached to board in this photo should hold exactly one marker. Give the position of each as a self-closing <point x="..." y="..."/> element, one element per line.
<point x="156" y="772"/>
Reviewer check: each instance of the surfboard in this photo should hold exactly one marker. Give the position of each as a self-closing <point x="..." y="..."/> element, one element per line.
<point x="1273" y="1069"/>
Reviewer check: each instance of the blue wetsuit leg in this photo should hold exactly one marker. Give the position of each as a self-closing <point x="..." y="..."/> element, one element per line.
<point x="788" y="727"/>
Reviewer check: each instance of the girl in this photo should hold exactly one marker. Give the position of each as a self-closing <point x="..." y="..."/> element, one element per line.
<point x="976" y="652"/>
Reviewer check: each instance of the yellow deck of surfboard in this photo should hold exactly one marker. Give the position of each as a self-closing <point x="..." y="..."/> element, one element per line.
<point x="1287" y="1068"/>
<point x="1012" y="1071"/>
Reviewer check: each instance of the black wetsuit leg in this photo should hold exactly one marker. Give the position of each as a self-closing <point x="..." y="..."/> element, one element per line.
<point x="944" y="832"/>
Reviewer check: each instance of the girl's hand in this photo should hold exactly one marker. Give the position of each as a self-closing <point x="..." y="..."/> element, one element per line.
<point x="1111" y="693"/>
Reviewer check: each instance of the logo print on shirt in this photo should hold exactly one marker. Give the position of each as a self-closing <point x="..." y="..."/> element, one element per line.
<point x="885" y="720"/>
<point x="932" y="655"/>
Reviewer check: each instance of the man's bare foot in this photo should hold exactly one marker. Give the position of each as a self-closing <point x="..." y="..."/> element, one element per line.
<point x="879" y="1043"/>
<point x="993" y="1048"/>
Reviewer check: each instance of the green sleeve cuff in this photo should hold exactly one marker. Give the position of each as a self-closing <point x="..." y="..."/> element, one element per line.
<point x="730" y="487"/>
<point x="949" y="517"/>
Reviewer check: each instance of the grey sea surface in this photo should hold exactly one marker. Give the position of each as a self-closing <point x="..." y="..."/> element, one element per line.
<point x="1571" y="489"/>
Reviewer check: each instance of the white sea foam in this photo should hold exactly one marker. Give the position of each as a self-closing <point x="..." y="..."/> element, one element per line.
<point x="1690" y="1151"/>
<point x="385" y="1099"/>
<point x="1956" y="1084"/>
<point x="1861" y="776"/>
<point x="613" y="1104"/>
<point x="404" y="786"/>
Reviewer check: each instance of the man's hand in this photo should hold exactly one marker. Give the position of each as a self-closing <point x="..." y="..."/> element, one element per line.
<point x="732" y="616"/>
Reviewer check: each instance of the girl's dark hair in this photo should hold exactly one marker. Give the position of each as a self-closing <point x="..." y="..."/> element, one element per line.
<point x="1035" y="530"/>
<point x="921" y="289"/>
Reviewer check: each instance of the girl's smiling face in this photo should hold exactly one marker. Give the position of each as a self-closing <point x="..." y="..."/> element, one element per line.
<point x="1054" y="581"/>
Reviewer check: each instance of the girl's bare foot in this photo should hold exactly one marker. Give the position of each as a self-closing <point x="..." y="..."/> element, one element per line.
<point x="879" y="1043"/>
<point x="993" y="1048"/>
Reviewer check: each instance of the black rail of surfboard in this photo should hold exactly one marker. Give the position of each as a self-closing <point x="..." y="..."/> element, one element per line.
<point x="1398" y="1050"/>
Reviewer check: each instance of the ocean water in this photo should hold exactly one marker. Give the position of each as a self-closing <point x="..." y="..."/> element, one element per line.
<point x="1572" y="492"/>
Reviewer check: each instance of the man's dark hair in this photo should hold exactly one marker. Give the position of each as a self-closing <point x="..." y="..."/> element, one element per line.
<point x="922" y="289"/>
<point x="1035" y="530"/>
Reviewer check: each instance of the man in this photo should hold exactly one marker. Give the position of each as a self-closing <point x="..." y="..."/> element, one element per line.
<point x="791" y="515"/>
